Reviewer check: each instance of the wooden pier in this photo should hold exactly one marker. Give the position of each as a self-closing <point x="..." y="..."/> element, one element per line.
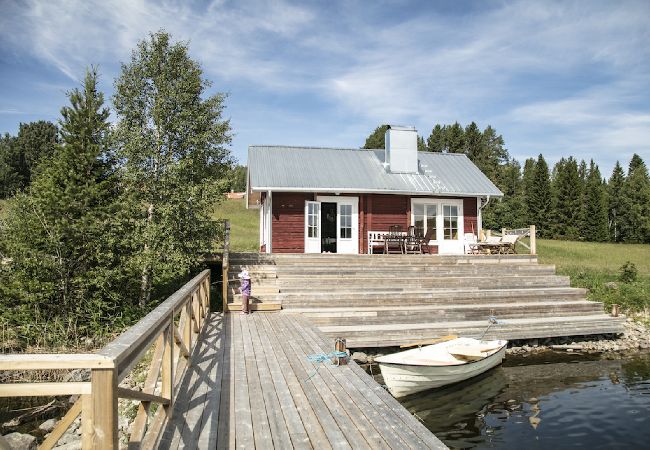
<point x="252" y="386"/>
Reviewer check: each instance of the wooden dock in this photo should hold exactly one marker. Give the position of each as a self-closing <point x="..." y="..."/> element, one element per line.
<point x="251" y="385"/>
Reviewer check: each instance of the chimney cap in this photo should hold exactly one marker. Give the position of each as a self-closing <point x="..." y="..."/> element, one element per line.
<point x="401" y="127"/>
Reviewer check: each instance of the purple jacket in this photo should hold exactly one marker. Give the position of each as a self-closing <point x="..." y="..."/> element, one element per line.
<point x="245" y="288"/>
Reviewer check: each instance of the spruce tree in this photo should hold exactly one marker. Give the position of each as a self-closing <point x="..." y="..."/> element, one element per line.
<point x="539" y="199"/>
<point x="437" y="141"/>
<point x="172" y="139"/>
<point x="376" y="138"/>
<point x="57" y="233"/>
<point x="567" y="201"/>
<point x="596" y="206"/>
<point x="635" y="214"/>
<point x="455" y="138"/>
<point x="615" y="201"/>
<point x="527" y="181"/>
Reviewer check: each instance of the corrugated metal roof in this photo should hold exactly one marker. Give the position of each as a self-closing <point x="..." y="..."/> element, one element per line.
<point x="281" y="168"/>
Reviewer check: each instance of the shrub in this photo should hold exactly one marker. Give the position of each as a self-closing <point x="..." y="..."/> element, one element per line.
<point x="628" y="272"/>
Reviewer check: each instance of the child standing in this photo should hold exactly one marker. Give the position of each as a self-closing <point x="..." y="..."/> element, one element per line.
<point x="245" y="290"/>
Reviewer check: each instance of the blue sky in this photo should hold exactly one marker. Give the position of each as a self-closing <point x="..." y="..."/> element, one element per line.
<point x="560" y="78"/>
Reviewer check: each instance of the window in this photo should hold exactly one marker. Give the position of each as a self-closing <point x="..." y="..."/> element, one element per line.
<point x="424" y="218"/>
<point x="312" y="219"/>
<point x="345" y="221"/>
<point x="450" y="221"/>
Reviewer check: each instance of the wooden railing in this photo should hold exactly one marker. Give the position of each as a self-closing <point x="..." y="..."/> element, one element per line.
<point x="225" y="264"/>
<point x="173" y="329"/>
<point x="530" y="232"/>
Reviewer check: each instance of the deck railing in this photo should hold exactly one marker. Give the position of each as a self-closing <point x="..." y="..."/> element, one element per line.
<point x="173" y="329"/>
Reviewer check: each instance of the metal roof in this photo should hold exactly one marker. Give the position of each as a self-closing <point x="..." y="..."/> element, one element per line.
<point x="282" y="168"/>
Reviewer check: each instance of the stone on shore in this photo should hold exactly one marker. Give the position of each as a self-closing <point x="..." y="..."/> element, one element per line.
<point x="360" y="357"/>
<point x="20" y="441"/>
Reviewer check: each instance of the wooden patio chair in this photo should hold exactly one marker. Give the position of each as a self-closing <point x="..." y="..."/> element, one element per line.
<point x="394" y="241"/>
<point x="413" y="241"/>
<point x="424" y="244"/>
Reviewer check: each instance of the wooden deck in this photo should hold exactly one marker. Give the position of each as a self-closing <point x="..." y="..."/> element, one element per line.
<point x="252" y="386"/>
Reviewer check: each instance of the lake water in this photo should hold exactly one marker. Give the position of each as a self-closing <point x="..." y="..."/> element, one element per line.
<point x="545" y="401"/>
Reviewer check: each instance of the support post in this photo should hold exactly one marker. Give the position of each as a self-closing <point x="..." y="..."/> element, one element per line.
<point x="104" y="408"/>
<point x="503" y="231"/>
<point x="167" y="375"/>
<point x="339" y="346"/>
<point x="533" y="240"/>
<point x="226" y="264"/>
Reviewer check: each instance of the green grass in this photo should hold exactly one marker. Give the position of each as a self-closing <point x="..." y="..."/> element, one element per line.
<point x="244" y="224"/>
<point x="597" y="267"/>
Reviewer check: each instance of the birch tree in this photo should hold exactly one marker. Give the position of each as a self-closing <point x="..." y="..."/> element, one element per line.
<point x="171" y="139"/>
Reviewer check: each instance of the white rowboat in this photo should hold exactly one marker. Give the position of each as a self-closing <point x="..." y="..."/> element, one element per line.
<point x="440" y="364"/>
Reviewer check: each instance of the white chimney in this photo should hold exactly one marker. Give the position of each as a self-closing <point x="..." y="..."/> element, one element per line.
<point x="401" y="151"/>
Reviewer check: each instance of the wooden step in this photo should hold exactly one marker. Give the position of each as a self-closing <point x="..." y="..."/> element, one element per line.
<point x="445" y="313"/>
<point x="255" y="306"/>
<point x="396" y="334"/>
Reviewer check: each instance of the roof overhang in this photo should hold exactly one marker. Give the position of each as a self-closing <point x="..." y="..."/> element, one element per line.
<point x="374" y="191"/>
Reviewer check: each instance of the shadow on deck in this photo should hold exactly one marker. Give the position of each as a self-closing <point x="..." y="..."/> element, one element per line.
<point x="251" y="385"/>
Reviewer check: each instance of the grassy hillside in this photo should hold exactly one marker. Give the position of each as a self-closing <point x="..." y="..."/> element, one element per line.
<point x="598" y="267"/>
<point x="2" y="208"/>
<point x="244" y="224"/>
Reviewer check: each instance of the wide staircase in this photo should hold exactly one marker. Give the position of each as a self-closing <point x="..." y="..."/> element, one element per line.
<point x="389" y="300"/>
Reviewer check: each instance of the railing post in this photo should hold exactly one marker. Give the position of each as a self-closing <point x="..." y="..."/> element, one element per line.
<point x="104" y="408"/>
<point x="167" y="375"/>
<point x="86" y="421"/>
<point x="533" y="240"/>
<point x="503" y="231"/>
<point x="225" y="264"/>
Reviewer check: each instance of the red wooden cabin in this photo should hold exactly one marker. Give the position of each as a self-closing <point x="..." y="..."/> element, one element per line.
<point x="314" y="200"/>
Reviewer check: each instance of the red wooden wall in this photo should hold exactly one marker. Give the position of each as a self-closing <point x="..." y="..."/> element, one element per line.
<point x="288" y="222"/>
<point x="377" y="212"/>
<point x="470" y="212"/>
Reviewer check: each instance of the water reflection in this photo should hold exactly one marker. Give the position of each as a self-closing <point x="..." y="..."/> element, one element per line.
<point x="553" y="401"/>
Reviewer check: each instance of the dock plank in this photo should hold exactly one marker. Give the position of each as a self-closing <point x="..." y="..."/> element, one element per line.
<point x="251" y="385"/>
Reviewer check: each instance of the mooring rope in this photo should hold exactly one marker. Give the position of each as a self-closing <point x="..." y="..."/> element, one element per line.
<point x="318" y="358"/>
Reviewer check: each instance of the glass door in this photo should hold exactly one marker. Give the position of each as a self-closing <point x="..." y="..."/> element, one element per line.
<point x="312" y="227"/>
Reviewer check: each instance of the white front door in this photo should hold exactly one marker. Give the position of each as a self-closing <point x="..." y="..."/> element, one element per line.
<point x="312" y="227"/>
<point x="347" y="222"/>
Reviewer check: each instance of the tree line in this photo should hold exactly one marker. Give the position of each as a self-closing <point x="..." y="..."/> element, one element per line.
<point x="570" y="201"/>
<point x="105" y="219"/>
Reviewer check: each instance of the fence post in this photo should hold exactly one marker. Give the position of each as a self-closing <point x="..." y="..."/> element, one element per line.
<point x="167" y="372"/>
<point x="503" y="231"/>
<point x="225" y="264"/>
<point x="104" y="408"/>
<point x="533" y="240"/>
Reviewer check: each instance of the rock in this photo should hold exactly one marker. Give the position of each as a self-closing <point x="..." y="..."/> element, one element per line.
<point x="613" y="285"/>
<point x="20" y="441"/>
<point x="76" y="445"/>
<point x="360" y="357"/>
<point x="533" y="400"/>
<point x="48" y="425"/>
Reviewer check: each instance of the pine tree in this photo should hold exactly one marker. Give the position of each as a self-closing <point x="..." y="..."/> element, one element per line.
<point x="422" y="146"/>
<point x="527" y="181"/>
<point x="615" y="201"/>
<point x="567" y="202"/>
<point x="173" y="142"/>
<point x="635" y="214"/>
<point x="376" y="140"/>
<point x="57" y="233"/>
<point x="539" y="199"/>
<point x="437" y="141"/>
<point x="596" y="206"/>
<point x="455" y="138"/>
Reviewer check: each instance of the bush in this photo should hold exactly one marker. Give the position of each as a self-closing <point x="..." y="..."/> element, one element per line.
<point x="628" y="272"/>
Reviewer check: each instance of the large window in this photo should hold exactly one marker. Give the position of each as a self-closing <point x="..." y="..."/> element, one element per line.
<point x="424" y="218"/>
<point x="345" y="219"/>
<point x="450" y="221"/>
<point x="312" y="219"/>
